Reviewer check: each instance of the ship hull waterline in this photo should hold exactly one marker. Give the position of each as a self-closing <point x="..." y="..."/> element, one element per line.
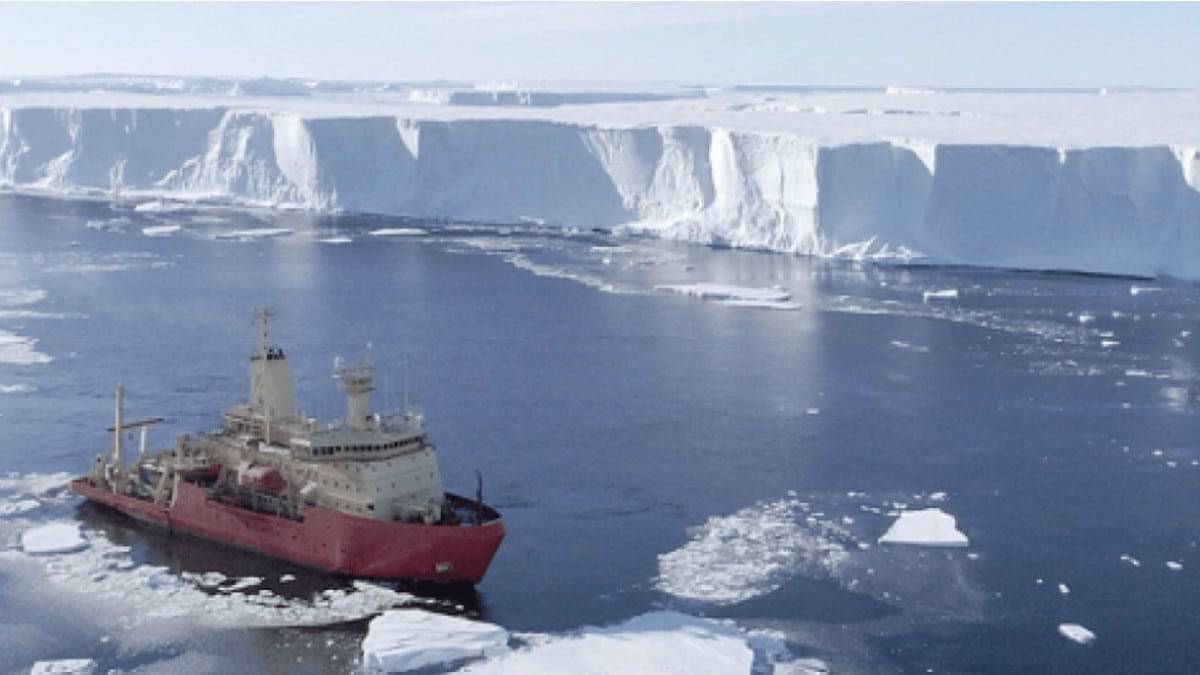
<point x="324" y="540"/>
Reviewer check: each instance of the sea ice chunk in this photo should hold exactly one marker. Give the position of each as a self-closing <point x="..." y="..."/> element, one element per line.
<point x="1136" y="290"/>
<point x="1076" y="633"/>
<point x="943" y="294"/>
<point x="13" y="507"/>
<point x="735" y="296"/>
<point x="254" y="233"/>
<point x="408" y="639"/>
<point x="927" y="527"/>
<point x="658" y="642"/>
<point x="64" y="667"/>
<point x="161" y="230"/>
<point x="750" y="553"/>
<point x="398" y="232"/>
<point x="53" y="538"/>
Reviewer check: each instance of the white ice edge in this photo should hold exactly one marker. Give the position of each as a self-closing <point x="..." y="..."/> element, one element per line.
<point x="872" y="185"/>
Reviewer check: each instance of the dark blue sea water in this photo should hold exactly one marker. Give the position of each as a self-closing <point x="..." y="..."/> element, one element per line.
<point x="611" y="421"/>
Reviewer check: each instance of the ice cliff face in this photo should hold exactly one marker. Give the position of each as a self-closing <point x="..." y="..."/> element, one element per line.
<point x="1104" y="209"/>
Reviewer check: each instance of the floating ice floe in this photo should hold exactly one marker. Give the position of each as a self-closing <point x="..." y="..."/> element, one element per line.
<point x="254" y="233"/>
<point x="735" y="296"/>
<point x="19" y="350"/>
<point x="927" y="527"/>
<point x="13" y="507"/>
<point x="336" y="240"/>
<point x="1064" y="589"/>
<point x="64" y="667"/>
<point x="21" y="296"/>
<point x="398" y="232"/>
<point x="659" y="642"/>
<point x="137" y="595"/>
<point x="1076" y="633"/>
<point x="408" y="639"/>
<point x="942" y="294"/>
<point x="53" y="538"/>
<point x="161" y="230"/>
<point x="901" y="344"/>
<point x="1126" y="558"/>
<point x="750" y="553"/>
<point x="35" y="483"/>
<point x="243" y="583"/>
<point x="1136" y="290"/>
<point x="1174" y="565"/>
<point x="159" y="206"/>
<point x="109" y="225"/>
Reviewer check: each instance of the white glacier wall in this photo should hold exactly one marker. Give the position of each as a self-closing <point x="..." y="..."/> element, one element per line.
<point x="1116" y="209"/>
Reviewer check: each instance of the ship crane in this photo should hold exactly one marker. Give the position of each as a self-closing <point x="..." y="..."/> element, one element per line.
<point x="117" y="462"/>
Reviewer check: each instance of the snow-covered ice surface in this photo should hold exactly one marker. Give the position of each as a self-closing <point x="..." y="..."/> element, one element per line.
<point x="927" y="527"/>
<point x="410" y="639"/>
<point x="659" y="642"/>
<point x="52" y="538"/>
<point x="1042" y="180"/>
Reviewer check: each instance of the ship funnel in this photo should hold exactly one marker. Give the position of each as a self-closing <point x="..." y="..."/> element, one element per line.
<point x="358" y="381"/>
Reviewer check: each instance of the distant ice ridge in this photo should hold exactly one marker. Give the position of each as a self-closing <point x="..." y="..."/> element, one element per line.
<point x="1129" y="210"/>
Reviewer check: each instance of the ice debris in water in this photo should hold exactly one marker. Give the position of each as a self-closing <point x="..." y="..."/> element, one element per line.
<point x="1126" y="558"/>
<point x="1064" y="589"/>
<point x="927" y="527"/>
<point x="243" y="583"/>
<point x="749" y="553"/>
<point x="942" y="294"/>
<point x="140" y="594"/>
<point x="658" y="642"/>
<point x="53" y="538"/>
<point x="1076" y="633"/>
<point x="254" y="233"/>
<point x="161" y="230"/>
<point x="409" y="639"/>
<point x="1174" y="565"/>
<point x="736" y="296"/>
<point x="1136" y="290"/>
<point x="64" y="667"/>
<point x="398" y="232"/>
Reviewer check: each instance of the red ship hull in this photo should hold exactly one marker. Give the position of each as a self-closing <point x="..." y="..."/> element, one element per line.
<point x="325" y="540"/>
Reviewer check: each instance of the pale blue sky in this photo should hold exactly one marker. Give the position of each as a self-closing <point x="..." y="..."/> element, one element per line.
<point x="988" y="44"/>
